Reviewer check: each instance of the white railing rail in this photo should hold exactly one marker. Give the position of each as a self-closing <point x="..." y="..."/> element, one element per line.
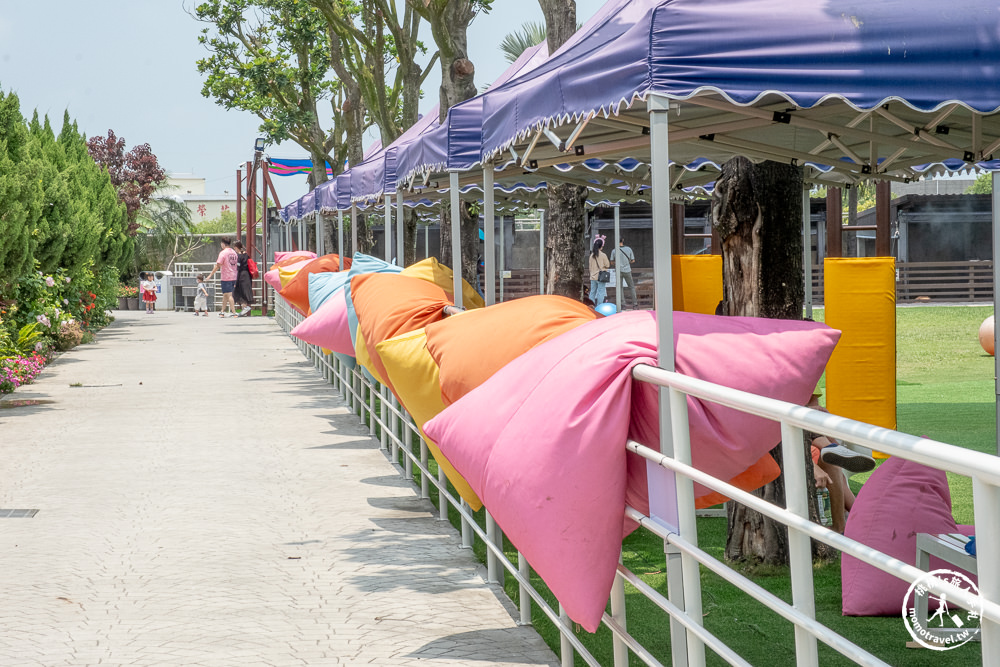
<point x="382" y="413"/>
<point x="192" y="269"/>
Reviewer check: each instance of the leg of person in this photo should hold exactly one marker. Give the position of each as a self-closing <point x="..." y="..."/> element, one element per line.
<point x="630" y="284"/>
<point x="836" y="490"/>
<point x="848" y="459"/>
<point x="593" y="291"/>
<point x="602" y="293"/>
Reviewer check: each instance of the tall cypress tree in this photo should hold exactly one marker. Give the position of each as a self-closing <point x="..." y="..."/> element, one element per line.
<point x="20" y="195"/>
<point x="53" y="228"/>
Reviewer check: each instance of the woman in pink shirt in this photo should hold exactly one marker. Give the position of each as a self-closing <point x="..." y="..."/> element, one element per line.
<point x="226" y="266"/>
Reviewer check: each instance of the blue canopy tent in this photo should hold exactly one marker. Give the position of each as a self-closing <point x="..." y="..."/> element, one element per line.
<point x="866" y="90"/>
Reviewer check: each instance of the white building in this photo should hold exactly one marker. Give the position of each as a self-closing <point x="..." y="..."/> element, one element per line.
<point x="191" y="189"/>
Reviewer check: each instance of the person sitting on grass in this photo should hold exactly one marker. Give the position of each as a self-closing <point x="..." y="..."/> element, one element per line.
<point x="830" y="459"/>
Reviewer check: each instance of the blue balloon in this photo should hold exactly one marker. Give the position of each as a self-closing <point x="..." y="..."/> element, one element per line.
<point x="607" y="308"/>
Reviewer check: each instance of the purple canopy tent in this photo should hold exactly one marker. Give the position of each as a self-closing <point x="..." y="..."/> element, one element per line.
<point x="870" y="90"/>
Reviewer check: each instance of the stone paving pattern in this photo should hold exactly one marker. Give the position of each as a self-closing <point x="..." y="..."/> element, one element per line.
<point x="206" y="499"/>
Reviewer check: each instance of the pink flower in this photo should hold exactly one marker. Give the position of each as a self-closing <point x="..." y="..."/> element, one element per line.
<point x="67" y="280"/>
<point x="50" y="281"/>
<point x="42" y="319"/>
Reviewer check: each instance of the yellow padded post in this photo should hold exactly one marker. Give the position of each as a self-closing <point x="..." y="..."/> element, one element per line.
<point x="697" y="283"/>
<point x="860" y="300"/>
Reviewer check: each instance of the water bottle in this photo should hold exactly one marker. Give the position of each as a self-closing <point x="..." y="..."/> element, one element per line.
<point x="823" y="507"/>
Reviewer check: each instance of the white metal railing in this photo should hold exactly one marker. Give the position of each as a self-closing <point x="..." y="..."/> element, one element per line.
<point x="192" y="269"/>
<point x="397" y="431"/>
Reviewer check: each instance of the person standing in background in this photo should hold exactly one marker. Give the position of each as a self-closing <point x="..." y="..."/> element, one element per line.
<point x="226" y="266"/>
<point x="623" y="260"/>
<point x="243" y="292"/>
<point x="598" y="264"/>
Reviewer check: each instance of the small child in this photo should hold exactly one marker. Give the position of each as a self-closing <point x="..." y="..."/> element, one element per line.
<point x="148" y="291"/>
<point x="201" y="297"/>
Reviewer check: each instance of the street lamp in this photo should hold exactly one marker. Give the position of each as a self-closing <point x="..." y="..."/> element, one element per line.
<point x="258" y="145"/>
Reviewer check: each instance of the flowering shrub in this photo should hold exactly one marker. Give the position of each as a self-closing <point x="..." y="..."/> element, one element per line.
<point x="128" y="292"/>
<point x="69" y="336"/>
<point x="63" y="308"/>
<point x="18" y="371"/>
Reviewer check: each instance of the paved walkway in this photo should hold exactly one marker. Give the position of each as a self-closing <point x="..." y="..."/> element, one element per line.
<point x="205" y="499"/>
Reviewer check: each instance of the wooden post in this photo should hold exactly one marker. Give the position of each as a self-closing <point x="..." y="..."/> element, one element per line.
<point x="239" y="202"/>
<point x="883" y="195"/>
<point x="834" y="223"/>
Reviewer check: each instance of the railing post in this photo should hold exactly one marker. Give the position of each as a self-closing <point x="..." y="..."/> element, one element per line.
<point x="618" y="614"/>
<point x="687" y="521"/>
<point x="467" y="537"/>
<point x="986" y="501"/>
<point x="383" y="414"/>
<point x="425" y="484"/>
<point x="524" y="570"/>
<point x="442" y="501"/>
<point x="799" y="545"/>
<point x="566" y="653"/>
<point x="492" y="563"/>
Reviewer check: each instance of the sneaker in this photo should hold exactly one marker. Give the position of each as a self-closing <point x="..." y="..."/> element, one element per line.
<point x="245" y="311"/>
<point x="848" y="459"/>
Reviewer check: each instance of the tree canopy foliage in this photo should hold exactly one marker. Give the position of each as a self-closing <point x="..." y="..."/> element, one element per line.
<point x="136" y="174"/>
<point x="983" y="185"/>
<point x="272" y="58"/>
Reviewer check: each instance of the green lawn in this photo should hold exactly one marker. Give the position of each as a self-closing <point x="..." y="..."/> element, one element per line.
<point x="945" y="391"/>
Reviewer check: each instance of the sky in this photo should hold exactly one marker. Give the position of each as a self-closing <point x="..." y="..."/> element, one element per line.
<point x="129" y="66"/>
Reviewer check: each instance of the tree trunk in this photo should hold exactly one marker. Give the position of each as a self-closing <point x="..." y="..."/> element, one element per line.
<point x="469" y="233"/>
<point x="565" y="232"/>
<point x="566" y="203"/>
<point x="757" y="212"/>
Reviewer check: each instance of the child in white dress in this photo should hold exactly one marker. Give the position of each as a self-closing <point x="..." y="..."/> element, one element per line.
<point x="201" y="297"/>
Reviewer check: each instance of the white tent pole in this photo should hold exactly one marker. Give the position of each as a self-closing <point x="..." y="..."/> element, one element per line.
<point x="617" y="255"/>
<point x="996" y="291"/>
<point x="670" y="497"/>
<point x="319" y="234"/>
<point x="456" y="240"/>
<point x="387" y="228"/>
<point x="489" y="239"/>
<point x="400" y="230"/>
<point x="807" y="248"/>
<point x="340" y="233"/>
<point x="541" y="251"/>
<point x="503" y="251"/>
<point x="354" y="228"/>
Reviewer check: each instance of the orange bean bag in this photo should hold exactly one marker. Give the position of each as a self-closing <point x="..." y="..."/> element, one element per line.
<point x="472" y="347"/>
<point x="391" y="304"/>
<point x="296" y="290"/>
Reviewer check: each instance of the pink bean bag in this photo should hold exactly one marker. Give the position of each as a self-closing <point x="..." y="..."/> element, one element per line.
<point x="542" y="442"/>
<point x="900" y="499"/>
<point x="327" y="327"/>
<point x="293" y="254"/>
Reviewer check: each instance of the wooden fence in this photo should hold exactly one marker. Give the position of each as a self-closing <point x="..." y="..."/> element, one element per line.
<point x="916" y="282"/>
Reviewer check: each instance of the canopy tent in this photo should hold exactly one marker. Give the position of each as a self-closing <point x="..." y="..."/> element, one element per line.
<point x="867" y="90"/>
<point x="376" y="176"/>
<point x="455" y="143"/>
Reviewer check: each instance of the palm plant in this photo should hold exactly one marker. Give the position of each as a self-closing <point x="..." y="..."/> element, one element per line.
<point x="517" y="42"/>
